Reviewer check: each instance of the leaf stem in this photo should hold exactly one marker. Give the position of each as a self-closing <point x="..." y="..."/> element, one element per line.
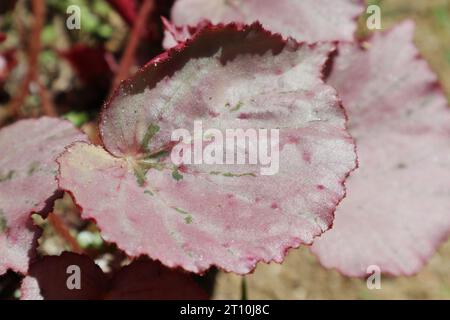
<point x="62" y="230"/>
<point x="133" y="42"/>
<point x="244" y="289"/>
<point x="34" y="49"/>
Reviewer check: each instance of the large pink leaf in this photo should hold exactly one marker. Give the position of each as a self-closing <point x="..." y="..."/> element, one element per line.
<point x="398" y="206"/>
<point x="141" y="280"/>
<point x="195" y="216"/>
<point x="27" y="181"/>
<point x="304" y="20"/>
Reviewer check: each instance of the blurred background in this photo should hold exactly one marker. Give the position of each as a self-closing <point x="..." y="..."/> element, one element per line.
<point x="72" y="73"/>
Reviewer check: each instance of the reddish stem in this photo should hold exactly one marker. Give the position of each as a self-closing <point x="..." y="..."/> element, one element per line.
<point x="46" y="101"/>
<point x="34" y="49"/>
<point x="133" y="42"/>
<point x="61" y="229"/>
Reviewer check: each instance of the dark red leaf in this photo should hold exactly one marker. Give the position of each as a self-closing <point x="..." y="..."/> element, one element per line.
<point x="51" y="278"/>
<point x="92" y="64"/>
<point x="148" y="280"/>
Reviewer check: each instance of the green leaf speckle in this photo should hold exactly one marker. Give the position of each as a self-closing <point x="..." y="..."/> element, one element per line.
<point x="34" y="166"/>
<point x="151" y="131"/>
<point x="176" y="175"/>
<point x="232" y="175"/>
<point x="235" y="108"/>
<point x="139" y="173"/>
<point x="3" y="224"/>
<point x="77" y="118"/>
<point x="180" y="210"/>
<point x="7" y="176"/>
<point x="188" y="216"/>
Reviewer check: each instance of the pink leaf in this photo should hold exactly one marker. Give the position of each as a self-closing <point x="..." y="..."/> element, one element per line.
<point x="195" y="216"/>
<point x="305" y="20"/>
<point x="27" y="182"/>
<point x="141" y="280"/>
<point x="398" y="205"/>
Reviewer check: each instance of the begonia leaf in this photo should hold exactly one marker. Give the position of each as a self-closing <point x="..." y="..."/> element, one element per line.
<point x="304" y="20"/>
<point x="198" y="215"/>
<point x="397" y="209"/>
<point x="28" y="149"/>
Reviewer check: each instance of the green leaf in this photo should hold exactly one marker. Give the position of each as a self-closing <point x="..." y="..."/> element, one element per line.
<point x="442" y="16"/>
<point x="48" y="35"/>
<point x="105" y="31"/>
<point x="88" y="239"/>
<point x="77" y="118"/>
